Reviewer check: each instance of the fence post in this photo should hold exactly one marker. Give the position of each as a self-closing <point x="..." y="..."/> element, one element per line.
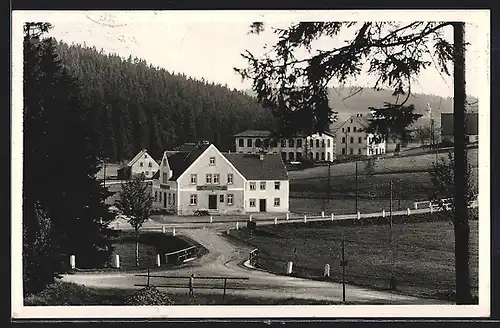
<point x="327" y="270"/>
<point x="289" y="267"/>
<point x="305" y="218"/>
<point x="322" y="214"/>
<point x="250" y="218"/>
<point x="72" y="262"/>
<point x="163" y="229"/>
<point x="333" y="216"/>
<point x="287" y="216"/>
<point x="116" y="263"/>
<point x="225" y="283"/>
<point x="415" y="205"/>
<point x="359" y="215"/>
<point x="383" y="213"/>
<point x="237" y="225"/>
<point x="166" y="258"/>
<point x="275" y="221"/>
<point x="211" y="219"/>
<point x="148" y="278"/>
<point x="408" y="211"/>
<point x="173" y="232"/>
<point x="158" y="260"/>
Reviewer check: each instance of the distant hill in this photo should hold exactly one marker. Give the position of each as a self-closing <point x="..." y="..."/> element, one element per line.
<point x="360" y="102"/>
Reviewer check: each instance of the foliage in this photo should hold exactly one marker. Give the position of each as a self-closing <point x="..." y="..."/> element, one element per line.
<point x="442" y="177"/>
<point x="423" y="134"/>
<point x="370" y="166"/>
<point x="291" y="79"/>
<point x="63" y="202"/>
<point x="136" y="105"/>
<point x="149" y="296"/>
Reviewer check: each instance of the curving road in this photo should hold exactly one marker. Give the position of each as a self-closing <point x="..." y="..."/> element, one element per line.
<point x="225" y="259"/>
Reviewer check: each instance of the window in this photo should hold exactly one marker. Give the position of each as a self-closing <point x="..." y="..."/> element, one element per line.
<point x="258" y="143"/>
<point x="311" y="143"/>
<point x="317" y="143"/>
<point x="150" y="164"/>
<point x="283" y="143"/>
<point x="216" y="178"/>
<point x="317" y="156"/>
<point x="263" y="185"/>
<point x="343" y="151"/>
<point x="249" y="142"/>
<point x="348" y="128"/>
<point x="230" y="199"/>
<point x="354" y="129"/>
<point x="359" y="140"/>
<point x="141" y="164"/>
<point x="291" y="156"/>
<point x="252" y="202"/>
<point x="328" y="156"/>
<point x="193" y="200"/>
<point x="164" y="162"/>
<point x="298" y="156"/>
<point x="266" y="143"/>
<point x="299" y="143"/>
<point x="328" y="143"/>
<point x="352" y="139"/>
<point x="343" y="130"/>
<point x="351" y="151"/>
<point x="343" y="139"/>
<point x="169" y="198"/>
<point x="274" y="143"/>
<point x="165" y="177"/>
<point x="241" y="142"/>
<point x="194" y="178"/>
<point x="212" y="160"/>
<point x="310" y="155"/>
<point x="208" y="178"/>
<point x="221" y="198"/>
<point x="283" y="156"/>
<point x="173" y="199"/>
<point x="291" y="143"/>
<point x="323" y="143"/>
<point x="359" y="151"/>
<point x="252" y="186"/>
<point x="145" y="156"/>
<point x="322" y="156"/>
<point x="276" y="202"/>
<point x="156" y="196"/>
<point x="230" y="178"/>
<point x="160" y="196"/>
<point x="276" y="185"/>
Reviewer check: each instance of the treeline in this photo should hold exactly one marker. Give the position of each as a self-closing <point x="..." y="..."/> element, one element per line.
<point x="134" y="105"/>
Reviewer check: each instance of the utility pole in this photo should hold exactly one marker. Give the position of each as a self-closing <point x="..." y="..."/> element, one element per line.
<point x="356" y="187"/>
<point x="343" y="264"/>
<point x="391" y="243"/>
<point x="461" y="222"/>
<point x="104" y="161"/>
<point x="329" y="182"/>
<point x="400" y="192"/>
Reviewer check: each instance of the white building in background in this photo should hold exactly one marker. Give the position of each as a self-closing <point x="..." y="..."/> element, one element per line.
<point x="321" y="147"/>
<point x="142" y="163"/>
<point x="352" y="138"/>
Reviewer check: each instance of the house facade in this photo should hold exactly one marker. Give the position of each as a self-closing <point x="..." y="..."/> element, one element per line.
<point x="207" y="179"/>
<point x="322" y="147"/>
<point x="142" y="163"/>
<point x="352" y="138"/>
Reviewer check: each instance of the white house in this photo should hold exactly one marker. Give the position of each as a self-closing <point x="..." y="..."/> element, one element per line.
<point x="141" y="163"/>
<point x="221" y="183"/>
<point x="322" y="147"/>
<point x="352" y="138"/>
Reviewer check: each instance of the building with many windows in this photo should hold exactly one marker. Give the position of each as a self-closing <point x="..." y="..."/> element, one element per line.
<point x="221" y="183"/>
<point x="352" y="138"/>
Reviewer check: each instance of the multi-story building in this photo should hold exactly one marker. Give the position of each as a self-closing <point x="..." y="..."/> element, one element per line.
<point x="352" y="138"/>
<point x="321" y="147"/>
<point x="142" y="163"/>
<point x="222" y="183"/>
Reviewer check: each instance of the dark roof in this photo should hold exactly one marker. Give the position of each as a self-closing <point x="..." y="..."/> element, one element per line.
<point x="471" y="124"/>
<point x="181" y="161"/>
<point x="254" y="133"/>
<point x="271" y="167"/>
<point x="188" y="146"/>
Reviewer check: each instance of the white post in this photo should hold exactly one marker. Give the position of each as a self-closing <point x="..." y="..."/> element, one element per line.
<point x="211" y="219"/>
<point x="250" y="218"/>
<point x="287" y="216"/>
<point x="289" y="267"/>
<point x="383" y="213"/>
<point x="163" y="229"/>
<point x="333" y="216"/>
<point x="158" y="262"/>
<point x="415" y="206"/>
<point x="173" y="232"/>
<point x="275" y="221"/>
<point x="430" y="206"/>
<point x="359" y="215"/>
<point x="116" y="263"/>
<point x="322" y="214"/>
<point x="72" y="262"/>
<point x="327" y="270"/>
<point x="408" y="211"/>
<point x="237" y="225"/>
<point x="305" y="218"/>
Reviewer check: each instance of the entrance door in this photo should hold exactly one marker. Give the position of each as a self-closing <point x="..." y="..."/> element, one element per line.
<point x="164" y="200"/>
<point x="262" y="205"/>
<point x="212" y="202"/>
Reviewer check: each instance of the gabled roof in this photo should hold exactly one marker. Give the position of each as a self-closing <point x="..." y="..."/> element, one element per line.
<point x="136" y="158"/>
<point x="327" y="133"/>
<point x="181" y="161"/>
<point x="271" y="167"/>
<point x="254" y="133"/>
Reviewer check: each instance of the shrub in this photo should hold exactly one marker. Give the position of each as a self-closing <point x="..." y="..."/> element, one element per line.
<point x="149" y="296"/>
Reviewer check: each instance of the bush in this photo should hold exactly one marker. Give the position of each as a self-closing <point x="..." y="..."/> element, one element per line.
<point x="149" y="296"/>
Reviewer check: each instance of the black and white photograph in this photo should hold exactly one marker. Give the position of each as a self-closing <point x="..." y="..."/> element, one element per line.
<point x="245" y="164"/>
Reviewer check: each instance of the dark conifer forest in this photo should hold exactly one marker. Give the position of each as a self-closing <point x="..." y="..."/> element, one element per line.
<point x="133" y="105"/>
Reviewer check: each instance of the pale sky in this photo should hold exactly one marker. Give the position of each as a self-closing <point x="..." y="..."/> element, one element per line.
<point x="209" y="44"/>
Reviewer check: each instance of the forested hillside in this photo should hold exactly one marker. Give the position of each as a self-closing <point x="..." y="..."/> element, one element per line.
<point x="134" y="105"/>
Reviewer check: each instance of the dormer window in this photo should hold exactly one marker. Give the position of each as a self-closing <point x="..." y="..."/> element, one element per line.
<point x="212" y="160"/>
